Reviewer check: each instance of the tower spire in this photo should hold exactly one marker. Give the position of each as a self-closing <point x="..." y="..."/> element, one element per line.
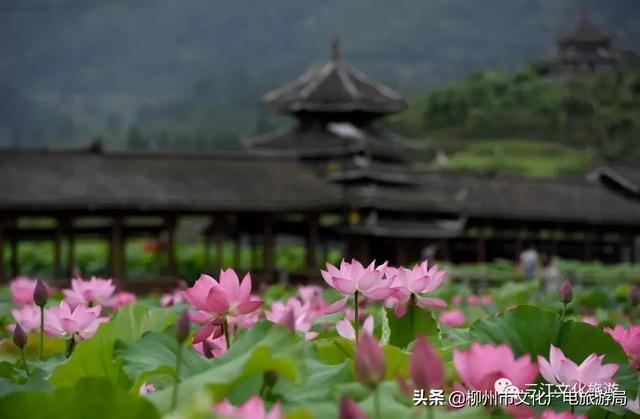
<point x="335" y="49"/>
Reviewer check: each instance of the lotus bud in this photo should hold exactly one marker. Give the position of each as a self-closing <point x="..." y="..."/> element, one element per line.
<point x="425" y="366"/>
<point x="40" y="294"/>
<point x="19" y="336"/>
<point x="207" y="349"/>
<point x="634" y="296"/>
<point x="369" y="361"/>
<point x="566" y="292"/>
<point x="350" y="410"/>
<point x="182" y="326"/>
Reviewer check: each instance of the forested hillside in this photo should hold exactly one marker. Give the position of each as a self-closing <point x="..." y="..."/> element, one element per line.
<point x="599" y="111"/>
<point x="188" y="73"/>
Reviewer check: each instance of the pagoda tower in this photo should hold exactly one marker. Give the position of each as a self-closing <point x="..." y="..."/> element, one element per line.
<point x="585" y="46"/>
<point x="335" y="107"/>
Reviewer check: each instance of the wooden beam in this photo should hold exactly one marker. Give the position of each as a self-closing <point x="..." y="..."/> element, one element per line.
<point x="117" y="254"/>
<point x="312" y="242"/>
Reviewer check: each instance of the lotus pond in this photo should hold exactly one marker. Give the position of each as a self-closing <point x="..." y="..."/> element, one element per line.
<point x="373" y="342"/>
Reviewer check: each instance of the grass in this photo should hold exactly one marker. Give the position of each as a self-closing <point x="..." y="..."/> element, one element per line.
<point x="520" y="156"/>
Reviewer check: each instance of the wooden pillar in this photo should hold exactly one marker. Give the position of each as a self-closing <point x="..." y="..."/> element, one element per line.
<point x="445" y="253"/>
<point x="219" y="243"/>
<point x="206" y="247"/>
<point x="117" y="245"/>
<point x="522" y="234"/>
<point x="312" y="242"/>
<point x="553" y="246"/>
<point x="325" y="252"/>
<point x="481" y="250"/>
<point x="71" y="250"/>
<point x="517" y="248"/>
<point x="588" y="247"/>
<point x="401" y="246"/>
<point x="358" y="248"/>
<point x="253" y="249"/>
<point x="172" y="264"/>
<point x="2" y="267"/>
<point x="57" y="250"/>
<point x="267" y="243"/>
<point x="14" y="255"/>
<point x="237" y="249"/>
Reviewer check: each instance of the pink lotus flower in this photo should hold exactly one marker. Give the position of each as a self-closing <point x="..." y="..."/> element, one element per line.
<point x="312" y="295"/>
<point x="309" y="293"/>
<point x="419" y="280"/>
<point x="590" y="320"/>
<point x="252" y="409"/>
<point x="121" y="299"/>
<point x="425" y="366"/>
<point x="457" y="299"/>
<point x="562" y="370"/>
<point x="294" y="314"/>
<point x="629" y="339"/>
<point x="369" y="361"/>
<point x="210" y="348"/>
<point x="146" y="389"/>
<point x="452" y="318"/>
<point x="350" y="410"/>
<point x="634" y="405"/>
<point x="486" y="300"/>
<point x="346" y="330"/>
<point x="22" y="288"/>
<point x="211" y="326"/>
<point x="481" y="365"/>
<point x="62" y="321"/>
<point x="28" y="316"/>
<point x="550" y="414"/>
<point x="479" y="300"/>
<point x="244" y="321"/>
<point x="353" y="277"/>
<point x="94" y="291"/>
<point x="176" y="297"/>
<point x="216" y="300"/>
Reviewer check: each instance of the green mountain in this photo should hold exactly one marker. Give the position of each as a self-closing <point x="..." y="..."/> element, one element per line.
<point x="189" y="73"/>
